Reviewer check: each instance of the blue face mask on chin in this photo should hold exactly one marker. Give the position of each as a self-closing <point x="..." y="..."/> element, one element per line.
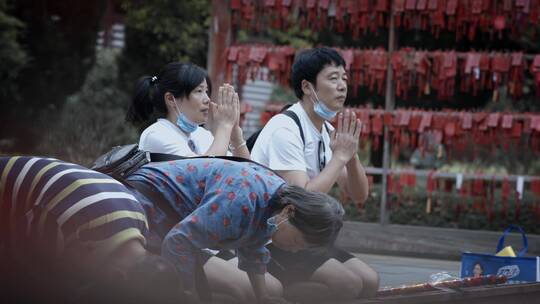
<point x="272" y="225"/>
<point x="184" y="123"/>
<point x="321" y="109"/>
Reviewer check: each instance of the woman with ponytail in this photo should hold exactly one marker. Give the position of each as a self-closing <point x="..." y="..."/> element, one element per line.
<point x="177" y="101"/>
<point x="179" y="98"/>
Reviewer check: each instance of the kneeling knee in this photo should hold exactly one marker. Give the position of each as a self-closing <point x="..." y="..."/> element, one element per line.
<point x="274" y="286"/>
<point x="342" y="282"/>
<point x="371" y="281"/>
<point x="348" y="286"/>
<point x="241" y="295"/>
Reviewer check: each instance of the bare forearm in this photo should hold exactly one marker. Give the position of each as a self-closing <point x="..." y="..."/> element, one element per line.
<point x="327" y="178"/>
<point x="220" y="145"/>
<point x="242" y="152"/>
<point x="358" y="186"/>
<point x="258" y="284"/>
<point x="238" y="144"/>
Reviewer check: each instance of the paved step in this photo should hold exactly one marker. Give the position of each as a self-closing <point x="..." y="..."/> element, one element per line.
<point x="396" y="271"/>
<point x="426" y="242"/>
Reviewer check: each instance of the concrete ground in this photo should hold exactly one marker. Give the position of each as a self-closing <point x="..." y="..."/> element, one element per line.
<point x="410" y="254"/>
<point x="395" y="270"/>
<point x="426" y="242"/>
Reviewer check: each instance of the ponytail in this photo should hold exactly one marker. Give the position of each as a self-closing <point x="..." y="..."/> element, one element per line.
<point x="146" y="99"/>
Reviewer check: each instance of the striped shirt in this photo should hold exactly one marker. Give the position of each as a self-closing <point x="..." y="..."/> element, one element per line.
<point x="50" y="210"/>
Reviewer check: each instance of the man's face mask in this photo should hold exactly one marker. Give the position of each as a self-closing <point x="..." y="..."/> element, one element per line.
<point x="321" y="109"/>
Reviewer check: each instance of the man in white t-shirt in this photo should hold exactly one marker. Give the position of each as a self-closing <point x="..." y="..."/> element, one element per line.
<point x="281" y="132"/>
<point x="324" y="157"/>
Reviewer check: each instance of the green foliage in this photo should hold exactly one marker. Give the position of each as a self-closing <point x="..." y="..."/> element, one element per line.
<point x="505" y="103"/>
<point x="59" y="43"/>
<point x="528" y="39"/>
<point x="283" y="95"/>
<point x="509" y="156"/>
<point x="294" y="36"/>
<point x="158" y="32"/>
<point x="92" y="120"/>
<point x="12" y="54"/>
<point x="13" y="57"/>
<point x="449" y="210"/>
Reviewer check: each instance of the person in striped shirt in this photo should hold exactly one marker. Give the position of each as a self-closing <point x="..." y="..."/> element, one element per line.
<point x="64" y="225"/>
<point x="67" y="219"/>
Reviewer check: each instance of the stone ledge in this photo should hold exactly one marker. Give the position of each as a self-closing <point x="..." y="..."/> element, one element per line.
<point x="426" y="242"/>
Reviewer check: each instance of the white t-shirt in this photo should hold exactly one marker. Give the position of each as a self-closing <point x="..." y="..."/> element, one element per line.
<point x="165" y="137"/>
<point x="279" y="145"/>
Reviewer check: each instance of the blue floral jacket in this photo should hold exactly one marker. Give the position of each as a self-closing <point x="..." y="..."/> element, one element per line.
<point x="220" y="205"/>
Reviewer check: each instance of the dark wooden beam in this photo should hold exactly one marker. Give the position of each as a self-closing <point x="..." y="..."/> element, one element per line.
<point x="219" y="40"/>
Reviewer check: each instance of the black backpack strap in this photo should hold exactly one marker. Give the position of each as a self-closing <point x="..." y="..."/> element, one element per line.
<point x="325" y="124"/>
<point x="250" y="141"/>
<point x="159" y="157"/>
<point x="294" y="117"/>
